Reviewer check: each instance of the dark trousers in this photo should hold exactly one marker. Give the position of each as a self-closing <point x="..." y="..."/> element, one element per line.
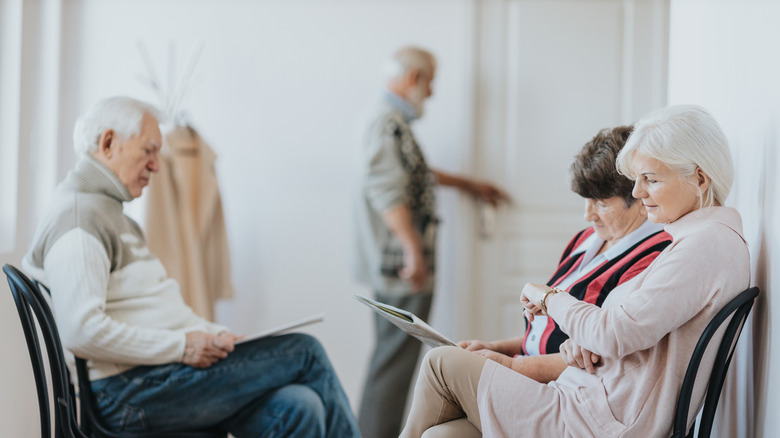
<point x="391" y="369"/>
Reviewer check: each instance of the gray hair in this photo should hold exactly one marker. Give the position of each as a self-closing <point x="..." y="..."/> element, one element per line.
<point x="684" y="137"/>
<point x="407" y="59"/>
<point x="121" y="114"/>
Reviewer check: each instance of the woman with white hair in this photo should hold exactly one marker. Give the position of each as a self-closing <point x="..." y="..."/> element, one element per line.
<point x="626" y="359"/>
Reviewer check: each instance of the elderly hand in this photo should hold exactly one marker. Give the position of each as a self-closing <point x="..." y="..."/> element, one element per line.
<point x="576" y="356"/>
<point x="475" y="345"/>
<point x="204" y="349"/>
<point x="531" y="298"/>
<point x="488" y="192"/>
<point x="502" y="359"/>
<point x="414" y="271"/>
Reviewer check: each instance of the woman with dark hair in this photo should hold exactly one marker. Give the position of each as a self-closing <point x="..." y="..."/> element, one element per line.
<point x="619" y="245"/>
<point x="626" y="359"/>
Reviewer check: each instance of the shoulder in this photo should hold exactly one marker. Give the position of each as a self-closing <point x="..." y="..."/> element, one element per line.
<point x="651" y="243"/>
<point x="386" y="120"/>
<point x="92" y="213"/>
<point x="578" y="239"/>
<point x="711" y="236"/>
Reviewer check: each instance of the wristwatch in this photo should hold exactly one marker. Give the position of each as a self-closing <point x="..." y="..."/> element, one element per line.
<point x="543" y="303"/>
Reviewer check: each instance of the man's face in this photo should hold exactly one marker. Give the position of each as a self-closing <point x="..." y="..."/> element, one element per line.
<point x="421" y="91"/>
<point x="134" y="159"/>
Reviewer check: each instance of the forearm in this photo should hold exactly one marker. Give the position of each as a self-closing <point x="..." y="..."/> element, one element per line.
<point x="509" y="347"/>
<point x="543" y="369"/>
<point x="450" y="180"/>
<point x="399" y="220"/>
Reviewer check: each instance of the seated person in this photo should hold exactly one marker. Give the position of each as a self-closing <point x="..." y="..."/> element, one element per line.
<point x="154" y="364"/>
<point x="626" y="359"/>
<point x="620" y="244"/>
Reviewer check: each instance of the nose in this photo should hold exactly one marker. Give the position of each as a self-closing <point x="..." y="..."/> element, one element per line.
<point x="590" y="211"/>
<point x="154" y="163"/>
<point x="638" y="191"/>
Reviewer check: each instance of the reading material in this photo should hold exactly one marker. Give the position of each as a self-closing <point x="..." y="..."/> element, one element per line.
<point x="283" y="328"/>
<point x="407" y="322"/>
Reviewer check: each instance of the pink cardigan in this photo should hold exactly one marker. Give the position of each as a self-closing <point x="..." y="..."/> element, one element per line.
<point x="645" y="332"/>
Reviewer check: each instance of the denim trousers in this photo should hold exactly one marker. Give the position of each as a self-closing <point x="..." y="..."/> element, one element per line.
<point x="281" y="386"/>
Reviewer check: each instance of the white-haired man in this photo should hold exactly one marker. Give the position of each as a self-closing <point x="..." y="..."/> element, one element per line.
<point x="154" y="364"/>
<point x="396" y="232"/>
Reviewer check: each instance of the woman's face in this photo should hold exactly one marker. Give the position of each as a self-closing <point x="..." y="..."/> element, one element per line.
<point x="666" y="196"/>
<point x="612" y="219"/>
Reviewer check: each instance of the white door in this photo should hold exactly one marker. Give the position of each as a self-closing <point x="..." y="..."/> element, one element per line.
<point x="550" y="74"/>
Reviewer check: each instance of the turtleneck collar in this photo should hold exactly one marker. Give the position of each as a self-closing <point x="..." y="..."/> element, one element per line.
<point x="695" y="219"/>
<point x="90" y="175"/>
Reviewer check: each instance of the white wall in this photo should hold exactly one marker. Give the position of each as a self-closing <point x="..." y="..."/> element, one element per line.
<point x="279" y="93"/>
<point x="723" y="55"/>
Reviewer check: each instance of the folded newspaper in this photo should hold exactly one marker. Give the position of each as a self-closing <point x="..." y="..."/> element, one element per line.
<point x="283" y="328"/>
<point x="407" y="322"/>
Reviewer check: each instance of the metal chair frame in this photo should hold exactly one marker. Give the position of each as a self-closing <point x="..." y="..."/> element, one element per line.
<point x="32" y="306"/>
<point x="737" y="310"/>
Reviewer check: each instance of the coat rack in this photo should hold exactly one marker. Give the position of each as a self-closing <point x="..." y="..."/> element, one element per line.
<point x="170" y="97"/>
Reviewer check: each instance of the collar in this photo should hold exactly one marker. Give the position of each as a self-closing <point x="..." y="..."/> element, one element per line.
<point x="91" y="176"/>
<point x="399" y="103"/>
<point x="594" y="241"/>
<point x="693" y="221"/>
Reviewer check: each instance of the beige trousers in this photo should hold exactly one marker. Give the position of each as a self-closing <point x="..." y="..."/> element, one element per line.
<point x="446" y="390"/>
<point x="460" y="428"/>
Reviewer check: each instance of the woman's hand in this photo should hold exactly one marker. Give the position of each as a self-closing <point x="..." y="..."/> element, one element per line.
<point x="496" y="357"/>
<point x="576" y="356"/>
<point x="531" y="297"/>
<point x="475" y="345"/>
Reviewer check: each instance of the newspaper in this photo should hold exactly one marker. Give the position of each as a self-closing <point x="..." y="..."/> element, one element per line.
<point x="407" y="322"/>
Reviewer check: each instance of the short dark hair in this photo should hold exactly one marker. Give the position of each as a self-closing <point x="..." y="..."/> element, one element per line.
<point x="593" y="172"/>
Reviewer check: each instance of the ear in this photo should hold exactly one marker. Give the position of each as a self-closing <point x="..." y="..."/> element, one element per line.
<point x="702" y="179"/>
<point x="105" y="142"/>
<point x="412" y="77"/>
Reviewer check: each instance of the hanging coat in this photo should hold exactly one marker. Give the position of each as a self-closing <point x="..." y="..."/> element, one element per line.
<point x="185" y="226"/>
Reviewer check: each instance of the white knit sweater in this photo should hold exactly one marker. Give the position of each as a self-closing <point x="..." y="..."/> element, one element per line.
<point x="112" y="299"/>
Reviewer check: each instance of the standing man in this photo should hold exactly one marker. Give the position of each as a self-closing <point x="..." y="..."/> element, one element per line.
<point x="396" y="233"/>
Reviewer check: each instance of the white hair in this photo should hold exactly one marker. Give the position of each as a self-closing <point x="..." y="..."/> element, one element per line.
<point x="123" y="115"/>
<point x="684" y="137"/>
<point x="407" y="59"/>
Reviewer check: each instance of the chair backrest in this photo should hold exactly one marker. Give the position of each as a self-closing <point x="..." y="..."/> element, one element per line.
<point x="739" y="307"/>
<point x="32" y="306"/>
<point x="28" y="296"/>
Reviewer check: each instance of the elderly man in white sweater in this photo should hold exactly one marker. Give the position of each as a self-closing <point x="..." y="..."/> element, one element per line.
<point x="154" y="364"/>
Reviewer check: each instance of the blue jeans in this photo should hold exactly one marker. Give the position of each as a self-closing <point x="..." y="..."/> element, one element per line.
<point x="282" y="386"/>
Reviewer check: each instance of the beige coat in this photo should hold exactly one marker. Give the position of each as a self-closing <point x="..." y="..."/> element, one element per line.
<point x="185" y="226"/>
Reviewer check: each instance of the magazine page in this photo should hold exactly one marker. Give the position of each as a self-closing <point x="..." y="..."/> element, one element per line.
<point x="407" y="322"/>
<point x="283" y="328"/>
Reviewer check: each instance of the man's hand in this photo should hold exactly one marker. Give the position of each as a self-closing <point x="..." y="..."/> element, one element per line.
<point x="487" y="192"/>
<point x="576" y="356"/>
<point x="414" y="271"/>
<point x="204" y="349"/>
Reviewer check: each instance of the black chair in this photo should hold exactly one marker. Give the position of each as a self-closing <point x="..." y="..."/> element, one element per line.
<point x="30" y="302"/>
<point x="739" y="307"/>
